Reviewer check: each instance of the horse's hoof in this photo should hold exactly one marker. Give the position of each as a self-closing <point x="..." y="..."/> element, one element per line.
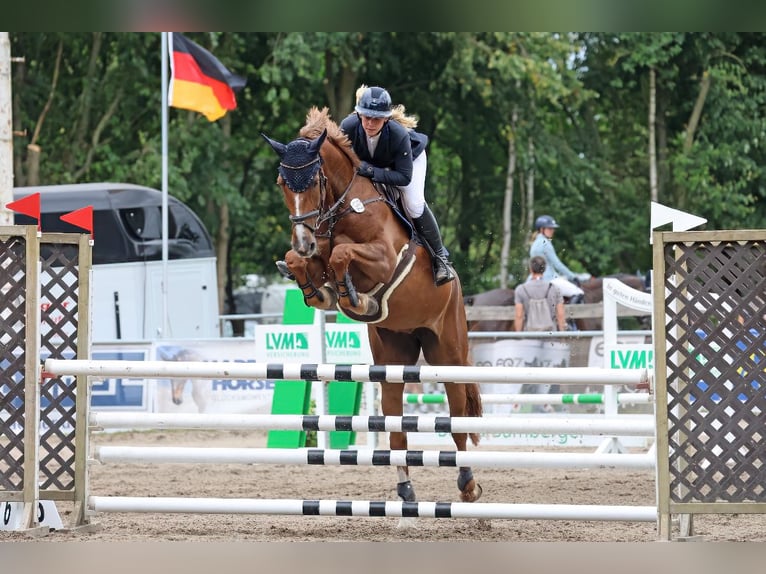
<point x="405" y="491"/>
<point x="284" y="270"/>
<point x="472" y="493"/>
<point x="353" y="296"/>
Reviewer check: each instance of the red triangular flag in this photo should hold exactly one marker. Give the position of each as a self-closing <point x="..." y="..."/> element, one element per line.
<point x="30" y="206"/>
<point x="82" y="218"/>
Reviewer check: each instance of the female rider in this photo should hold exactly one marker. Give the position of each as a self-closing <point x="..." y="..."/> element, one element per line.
<point x="392" y="152"/>
<point x="545" y="227"/>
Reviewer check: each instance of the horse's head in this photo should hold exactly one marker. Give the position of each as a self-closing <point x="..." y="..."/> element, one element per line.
<point x="303" y="184"/>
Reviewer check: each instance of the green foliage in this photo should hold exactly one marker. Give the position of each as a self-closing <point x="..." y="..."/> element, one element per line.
<point x="574" y="104"/>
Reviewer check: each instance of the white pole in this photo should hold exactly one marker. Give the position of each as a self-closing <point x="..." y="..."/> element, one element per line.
<point x="623" y="425"/>
<point x="367" y="457"/>
<point x="6" y="131"/>
<point x="363" y="508"/>
<point x="358" y="373"/>
<point x="167" y="46"/>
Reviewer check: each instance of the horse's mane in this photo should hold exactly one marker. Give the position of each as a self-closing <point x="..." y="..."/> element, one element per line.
<point x="317" y="121"/>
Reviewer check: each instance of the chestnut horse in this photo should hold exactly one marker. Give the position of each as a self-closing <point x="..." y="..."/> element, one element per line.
<point x="594" y="293"/>
<point x="351" y="251"/>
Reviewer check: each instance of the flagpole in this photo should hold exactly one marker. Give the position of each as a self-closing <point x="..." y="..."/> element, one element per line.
<point x="165" y="55"/>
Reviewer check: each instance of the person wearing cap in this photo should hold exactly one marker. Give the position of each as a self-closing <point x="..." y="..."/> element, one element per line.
<point x="555" y="270"/>
<point x="393" y="153"/>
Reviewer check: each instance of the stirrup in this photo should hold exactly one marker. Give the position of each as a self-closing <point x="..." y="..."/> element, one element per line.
<point x="284" y="271"/>
<point x="443" y="272"/>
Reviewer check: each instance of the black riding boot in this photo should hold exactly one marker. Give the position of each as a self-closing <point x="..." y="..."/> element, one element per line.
<point x="428" y="229"/>
<point x="284" y="271"/>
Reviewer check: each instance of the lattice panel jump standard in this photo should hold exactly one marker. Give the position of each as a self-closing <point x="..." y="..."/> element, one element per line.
<point x="44" y="279"/>
<point x="19" y="367"/>
<point x="710" y="346"/>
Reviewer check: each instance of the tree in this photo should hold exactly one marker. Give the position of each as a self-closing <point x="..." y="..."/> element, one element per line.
<point x="538" y="123"/>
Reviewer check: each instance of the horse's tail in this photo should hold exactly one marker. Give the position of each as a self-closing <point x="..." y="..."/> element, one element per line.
<point x="473" y="406"/>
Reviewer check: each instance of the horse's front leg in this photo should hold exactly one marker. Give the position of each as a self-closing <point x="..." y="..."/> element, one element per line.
<point x="305" y="271"/>
<point x="374" y="261"/>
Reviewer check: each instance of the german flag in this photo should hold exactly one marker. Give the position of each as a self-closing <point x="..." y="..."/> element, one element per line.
<point x="199" y="82"/>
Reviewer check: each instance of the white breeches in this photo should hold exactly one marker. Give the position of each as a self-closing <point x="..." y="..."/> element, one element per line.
<point x="567" y="289"/>
<point x="414" y="194"/>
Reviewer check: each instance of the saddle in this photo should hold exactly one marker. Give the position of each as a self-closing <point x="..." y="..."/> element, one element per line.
<point x="393" y="198"/>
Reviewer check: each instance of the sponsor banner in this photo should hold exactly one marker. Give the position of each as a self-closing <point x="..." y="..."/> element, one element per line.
<point x="237" y="396"/>
<point x="596" y="352"/>
<point x="347" y="343"/>
<point x="531" y="438"/>
<point x="121" y="393"/>
<point x="627" y="296"/>
<point x="288" y="344"/>
<point x="630" y="357"/>
<point x="520" y="353"/>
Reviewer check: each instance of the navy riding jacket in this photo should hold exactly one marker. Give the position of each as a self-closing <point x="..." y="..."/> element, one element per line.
<point x="396" y="149"/>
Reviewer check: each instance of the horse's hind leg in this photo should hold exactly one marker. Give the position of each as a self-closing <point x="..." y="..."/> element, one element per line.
<point x="457" y="395"/>
<point x="464" y="399"/>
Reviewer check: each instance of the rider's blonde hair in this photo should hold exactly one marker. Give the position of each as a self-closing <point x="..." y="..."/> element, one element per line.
<point x="398" y="112"/>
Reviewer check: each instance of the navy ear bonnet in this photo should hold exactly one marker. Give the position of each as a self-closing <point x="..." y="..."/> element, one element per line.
<point x="299" y="165"/>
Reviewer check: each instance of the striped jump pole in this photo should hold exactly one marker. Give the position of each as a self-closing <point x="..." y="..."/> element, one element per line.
<point x="294" y="507"/>
<point x="350" y="373"/>
<point x="368" y="457"/>
<point x="533" y="399"/>
<point x="627" y="425"/>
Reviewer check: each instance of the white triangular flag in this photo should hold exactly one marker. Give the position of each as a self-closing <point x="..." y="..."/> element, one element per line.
<point x="661" y="214"/>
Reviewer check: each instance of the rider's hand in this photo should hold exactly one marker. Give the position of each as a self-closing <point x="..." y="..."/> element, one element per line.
<point x="366" y="170"/>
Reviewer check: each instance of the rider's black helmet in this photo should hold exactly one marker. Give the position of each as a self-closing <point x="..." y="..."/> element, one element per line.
<point x="374" y="103"/>
<point x="545" y="221"/>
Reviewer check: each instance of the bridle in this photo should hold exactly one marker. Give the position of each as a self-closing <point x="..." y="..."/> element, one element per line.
<point x="334" y="213"/>
<point x="301" y="219"/>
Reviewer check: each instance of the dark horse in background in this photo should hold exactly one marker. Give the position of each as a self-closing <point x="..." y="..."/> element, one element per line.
<point x="351" y="251"/>
<point x="594" y="293"/>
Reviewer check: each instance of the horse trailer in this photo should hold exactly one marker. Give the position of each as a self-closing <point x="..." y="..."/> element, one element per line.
<point x="127" y="301"/>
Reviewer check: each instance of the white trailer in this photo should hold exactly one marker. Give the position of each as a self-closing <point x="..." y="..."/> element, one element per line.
<point x="127" y="300"/>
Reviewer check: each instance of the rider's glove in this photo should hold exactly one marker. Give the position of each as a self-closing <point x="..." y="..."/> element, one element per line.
<point x="576" y="281"/>
<point x="366" y="170"/>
